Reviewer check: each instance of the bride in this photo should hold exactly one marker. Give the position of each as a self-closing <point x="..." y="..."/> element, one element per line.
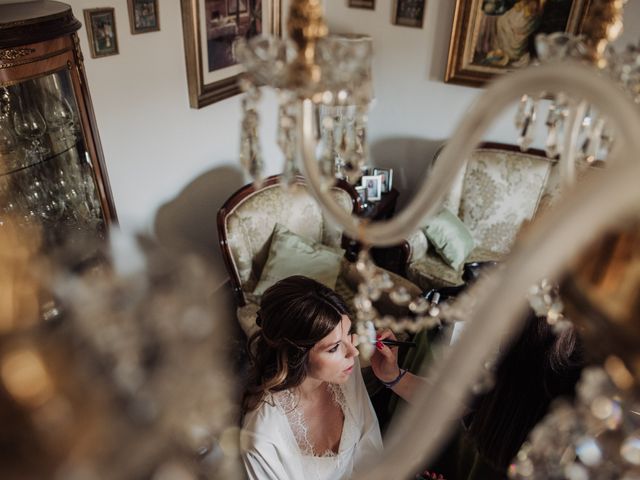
<point x="306" y="410"/>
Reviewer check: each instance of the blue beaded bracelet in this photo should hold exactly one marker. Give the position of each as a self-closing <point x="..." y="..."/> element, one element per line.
<point x="394" y="382"/>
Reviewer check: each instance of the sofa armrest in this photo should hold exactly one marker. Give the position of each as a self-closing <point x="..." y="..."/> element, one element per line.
<point x="417" y="245"/>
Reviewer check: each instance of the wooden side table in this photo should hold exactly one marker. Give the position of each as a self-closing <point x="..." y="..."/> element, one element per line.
<point x="382" y="209"/>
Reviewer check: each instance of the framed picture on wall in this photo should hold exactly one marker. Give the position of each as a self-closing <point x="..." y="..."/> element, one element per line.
<point x="143" y="16"/>
<point x="234" y="6"/>
<point x="101" y="30"/>
<point x="368" y="4"/>
<point x="494" y="37"/>
<point x="210" y="29"/>
<point x="409" y="13"/>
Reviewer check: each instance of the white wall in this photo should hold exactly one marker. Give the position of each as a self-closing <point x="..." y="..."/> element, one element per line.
<point x="160" y="153"/>
<point x="164" y="157"/>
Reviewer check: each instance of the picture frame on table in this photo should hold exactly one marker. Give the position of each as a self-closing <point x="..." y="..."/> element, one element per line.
<point x="143" y="16"/>
<point x="409" y="13"/>
<point x="362" y="193"/>
<point x="373" y="186"/>
<point x="491" y="38"/>
<point x="101" y="30"/>
<point x="210" y="29"/>
<point x="387" y="178"/>
<point x="366" y="4"/>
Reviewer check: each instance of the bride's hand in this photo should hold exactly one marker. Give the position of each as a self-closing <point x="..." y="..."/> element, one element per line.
<point x="384" y="360"/>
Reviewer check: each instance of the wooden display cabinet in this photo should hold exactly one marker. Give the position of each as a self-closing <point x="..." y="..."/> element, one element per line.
<point x="52" y="171"/>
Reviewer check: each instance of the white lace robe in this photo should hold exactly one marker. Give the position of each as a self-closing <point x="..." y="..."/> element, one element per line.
<point x="274" y="445"/>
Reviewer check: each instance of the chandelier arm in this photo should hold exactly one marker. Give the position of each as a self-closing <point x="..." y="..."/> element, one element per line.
<point x="383" y="233"/>
<point x="544" y="252"/>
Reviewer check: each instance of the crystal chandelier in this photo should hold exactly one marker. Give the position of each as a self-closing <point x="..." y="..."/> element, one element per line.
<point x="575" y="130"/>
<point x="334" y="72"/>
<point x="542" y="254"/>
<point x="112" y="366"/>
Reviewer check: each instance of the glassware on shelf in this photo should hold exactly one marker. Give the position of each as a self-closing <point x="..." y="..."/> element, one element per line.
<point x="30" y="125"/>
<point x="9" y="143"/>
<point x="58" y="113"/>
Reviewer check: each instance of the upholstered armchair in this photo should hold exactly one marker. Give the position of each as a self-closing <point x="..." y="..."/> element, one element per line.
<point x="498" y="191"/>
<point x="246" y="225"/>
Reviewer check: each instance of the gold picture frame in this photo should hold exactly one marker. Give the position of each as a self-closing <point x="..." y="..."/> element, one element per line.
<point x="409" y="13"/>
<point x="209" y="32"/>
<point x="143" y="16"/>
<point x="480" y="49"/>
<point x="101" y="31"/>
<point x="366" y="4"/>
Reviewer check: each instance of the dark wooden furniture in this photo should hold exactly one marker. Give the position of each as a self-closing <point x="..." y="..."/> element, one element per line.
<point x="382" y="209"/>
<point x="52" y="171"/>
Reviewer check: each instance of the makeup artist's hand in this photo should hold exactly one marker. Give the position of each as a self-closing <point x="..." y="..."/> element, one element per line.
<point x="384" y="360"/>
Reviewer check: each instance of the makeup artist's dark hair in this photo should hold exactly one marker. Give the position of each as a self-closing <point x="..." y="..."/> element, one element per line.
<point x="538" y="367"/>
<point x="295" y="314"/>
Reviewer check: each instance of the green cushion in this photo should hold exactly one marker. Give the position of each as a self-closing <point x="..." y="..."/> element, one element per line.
<point x="450" y="238"/>
<point x="291" y="254"/>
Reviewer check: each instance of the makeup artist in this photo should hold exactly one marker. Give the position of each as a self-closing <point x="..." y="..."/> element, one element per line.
<point x="536" y="368"/>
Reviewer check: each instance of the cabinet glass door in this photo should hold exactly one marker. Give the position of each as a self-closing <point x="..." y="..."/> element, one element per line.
<point x="46" y="175"/>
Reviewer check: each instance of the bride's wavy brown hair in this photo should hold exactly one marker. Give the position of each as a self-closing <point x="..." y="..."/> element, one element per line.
<point x="295" y="314"/>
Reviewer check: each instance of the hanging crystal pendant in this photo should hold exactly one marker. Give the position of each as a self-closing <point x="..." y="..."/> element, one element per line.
<point x="555" y="124"/>
<point x="606" y="142"/>
<point x="287" y="141"/>
<point x="592" y="137"/>
<point x="250" y="151"/>
<point x="520" y="112"/>
<point x="525" y="121"/>
<point x="327" y="160"/>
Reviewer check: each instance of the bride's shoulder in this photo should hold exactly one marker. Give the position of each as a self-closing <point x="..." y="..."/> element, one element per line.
<point x="262" y="424"/>
<point x="266" y="411"/>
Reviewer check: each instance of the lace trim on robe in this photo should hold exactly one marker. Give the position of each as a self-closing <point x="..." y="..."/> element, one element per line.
<point x="288" y="402"/>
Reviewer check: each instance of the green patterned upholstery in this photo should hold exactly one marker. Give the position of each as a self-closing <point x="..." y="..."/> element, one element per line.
<point x="249" y="225"/>
<point x="494" y="195"/>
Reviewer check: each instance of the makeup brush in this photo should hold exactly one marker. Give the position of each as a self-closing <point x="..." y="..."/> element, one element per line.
<point x="371" y="333"/>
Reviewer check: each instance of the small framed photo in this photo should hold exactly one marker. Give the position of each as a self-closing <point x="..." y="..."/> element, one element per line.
<point x="373" y="186"/>
<point x="387" y="178"/>
<point x="368" y="4"/>
<point x="234" y="5"/>
<point x="101" y="29"/>
<point x="143" y="16"/>
<point x="362" y="193"/>
<point x="409" y="13"/>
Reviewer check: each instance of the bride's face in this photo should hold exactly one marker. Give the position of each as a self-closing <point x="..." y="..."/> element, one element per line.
<point x="332" y="358"/>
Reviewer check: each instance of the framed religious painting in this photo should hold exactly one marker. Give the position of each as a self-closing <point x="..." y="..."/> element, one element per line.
<point x="366" y="4"/>
<point x="408" y="13"/>
<point x="210" y="29"/>
<point x="491" y="37"/>
<point x="101" y="30"/>
<point x="143" y="16"/>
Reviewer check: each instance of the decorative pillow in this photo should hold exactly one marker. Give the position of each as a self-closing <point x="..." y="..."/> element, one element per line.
<point x="291" y="254"/>
<point x="450" y="238"/>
